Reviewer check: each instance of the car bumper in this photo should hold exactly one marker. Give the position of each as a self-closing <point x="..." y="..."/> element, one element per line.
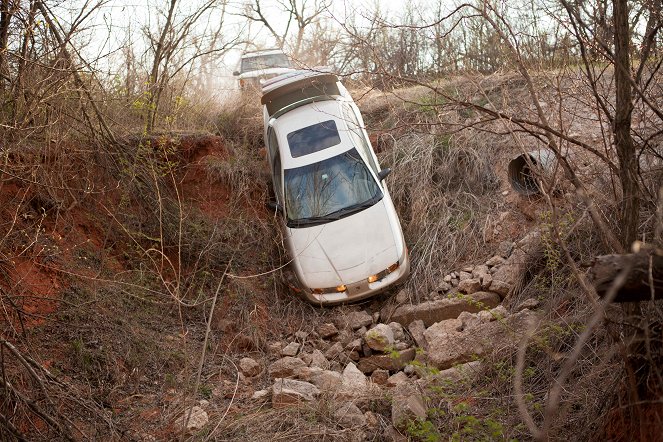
<point x="360" y="290"/>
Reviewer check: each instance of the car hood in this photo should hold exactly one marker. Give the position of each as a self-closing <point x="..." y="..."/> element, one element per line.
<point x="347" y="250"/>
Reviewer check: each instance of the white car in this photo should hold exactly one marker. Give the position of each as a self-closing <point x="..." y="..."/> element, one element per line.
<point x="257" y="66"/>
<point x="341" y="229"/>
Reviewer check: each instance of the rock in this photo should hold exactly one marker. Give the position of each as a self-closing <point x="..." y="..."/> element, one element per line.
<point x="397" y="330"/>
<point x="379" y="337"/>
<point x="354" y="345"/>
<point x="353" y="382"/>
<point x="407" y="405"/>
<point x="326" y="380"/>
<point x="289" y="391"/>
<point x="327" y="330"/>
<point x="334" y="351"/>
<point x="319" y="360"/>
<point x="397" y="379"/>
<point x="417" y="329"/>
<point x="291" y="349"/>
<point x="354" y="355"/>
<point x="505" y="248"/>
<point x="390" y="434"/>
<point x="376" y="317"/>
<point x="468" y="269"/>
<point x="447" y="279"/>
<point x="455" y="373"/>
<point x="484" y="316"/>
<point x="358" y="319"/>
<point x="500" y="287"/>
<point x="464" y="276"/>
<point x="261" y="395"/>
<point x="440" y="328"/>
<point x="495" y="261"/>
<point x="409" y="370"/>
<point x="361" y="332"/>
<point x="454" y="282"/>
<point x="529" y="303"/>
<point x="344" y="337"/>
<point x="469" y="320"/>
<point x="380" y="376"/>
<point x="348" y="415"/>
<point x="479" y="271"/>
<point x="469" y="286"/>
<point x="387" y="362"/>
<point x="498" y="313"/>
<point x="400" y="346"/>
<point x="444" y="287"/>
<point x="486" y="281"/>
<point x="431" y="312"/>
<point x="513" y="269"/>
<point x="366" y="350"/>
<point x="447" y="348"/>
<point x="285" y="367"/>
<point x="249" y="367"/>
<point x="194" y="419"/>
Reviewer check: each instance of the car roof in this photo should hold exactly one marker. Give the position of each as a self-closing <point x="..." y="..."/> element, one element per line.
<point x="307" y="115"/>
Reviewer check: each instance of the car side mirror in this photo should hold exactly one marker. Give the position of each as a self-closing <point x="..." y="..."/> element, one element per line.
<point x="273" y="206"/>
<point x="235" y="73"/>
<point x="384" y="173"/>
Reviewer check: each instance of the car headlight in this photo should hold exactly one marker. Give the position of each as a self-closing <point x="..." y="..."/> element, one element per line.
<point x="378" y="276"/>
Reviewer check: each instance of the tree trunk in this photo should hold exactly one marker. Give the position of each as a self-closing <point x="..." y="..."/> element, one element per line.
<point x="630" y="204"/>
<point x="5" y="19"/>
<point x="153" y="102"/>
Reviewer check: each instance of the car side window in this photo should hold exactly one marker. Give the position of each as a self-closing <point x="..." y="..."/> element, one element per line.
<point x="359" y="137"/>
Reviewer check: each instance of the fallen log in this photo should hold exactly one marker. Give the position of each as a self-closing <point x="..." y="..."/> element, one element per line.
<point x="644" y="280"/>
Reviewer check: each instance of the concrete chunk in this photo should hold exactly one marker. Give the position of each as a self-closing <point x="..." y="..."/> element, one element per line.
<point x="449" y="308"/>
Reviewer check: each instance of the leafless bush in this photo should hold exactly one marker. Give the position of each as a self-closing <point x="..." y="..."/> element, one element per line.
<point x="441" y="188"/>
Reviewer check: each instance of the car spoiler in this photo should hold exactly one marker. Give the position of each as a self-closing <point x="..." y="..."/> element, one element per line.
<point x="293" y="87"/>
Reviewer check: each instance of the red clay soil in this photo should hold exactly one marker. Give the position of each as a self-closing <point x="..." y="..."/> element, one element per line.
<point x="36" y="279"/>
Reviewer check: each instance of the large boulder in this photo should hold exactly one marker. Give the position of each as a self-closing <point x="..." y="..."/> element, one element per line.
<point x="448" y="347"/>
<point x="289" y="391"/>
<point x="380" y="337"/>
<point x="449" y="308"/>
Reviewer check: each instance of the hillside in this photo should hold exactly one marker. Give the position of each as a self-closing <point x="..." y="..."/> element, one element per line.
<point x="143" y="297"/>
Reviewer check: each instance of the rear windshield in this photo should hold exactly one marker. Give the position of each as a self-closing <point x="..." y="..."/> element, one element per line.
<point x="313" y="138"/>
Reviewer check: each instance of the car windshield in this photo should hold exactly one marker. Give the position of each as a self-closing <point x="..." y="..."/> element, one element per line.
<point x="260" y="62"/>
<point x="329" y="190"/>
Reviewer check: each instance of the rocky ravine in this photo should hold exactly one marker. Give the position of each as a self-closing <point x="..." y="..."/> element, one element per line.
<point x="399" y="350"/>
